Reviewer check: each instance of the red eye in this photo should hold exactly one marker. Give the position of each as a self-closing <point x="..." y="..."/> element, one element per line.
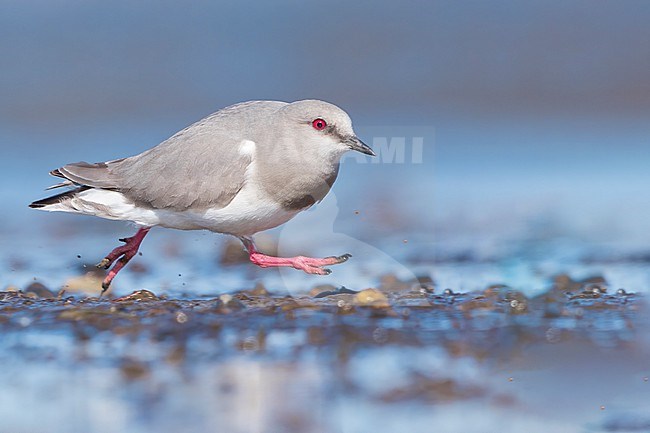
<point x="319" y="124"/>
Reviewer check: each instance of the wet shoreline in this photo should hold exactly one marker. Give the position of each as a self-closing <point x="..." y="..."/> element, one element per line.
<point x="411" y="346"/>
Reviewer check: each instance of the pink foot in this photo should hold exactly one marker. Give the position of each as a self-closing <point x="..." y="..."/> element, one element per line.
<point x="309" y="265"/>
<point x="125" y="253"/>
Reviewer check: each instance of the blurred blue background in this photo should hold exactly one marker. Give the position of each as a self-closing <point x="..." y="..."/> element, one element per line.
<point x="534" y="119"/>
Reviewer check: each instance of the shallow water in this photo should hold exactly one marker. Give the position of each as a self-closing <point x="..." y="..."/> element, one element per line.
<point x="401" y="357"/>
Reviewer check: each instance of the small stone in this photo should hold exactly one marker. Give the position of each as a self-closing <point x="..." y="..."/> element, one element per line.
<point x="139" y="296"/>
<point x="596" y="289"/>
<point x="322" y="288"/>
<point x="371" y="298"/>
<point x="90" y="283"/>
<point x="39" y="290"/>
<point x="342" y="293"/>
<point x="229" y="302"/>
<point x="181" y="317"/>
<point x="517" y="301"/>
<point x="259" y="290"/>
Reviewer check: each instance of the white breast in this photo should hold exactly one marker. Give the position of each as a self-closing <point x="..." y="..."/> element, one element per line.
<point x="252" y="210"/>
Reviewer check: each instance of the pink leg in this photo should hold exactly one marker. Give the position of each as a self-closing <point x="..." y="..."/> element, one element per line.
<point x="125" y="253"/>
<point x="308" y="264"/>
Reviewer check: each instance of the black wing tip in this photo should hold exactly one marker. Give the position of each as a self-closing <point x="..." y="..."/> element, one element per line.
<point x="58" y="198"/>
<point x="38" y="204"/>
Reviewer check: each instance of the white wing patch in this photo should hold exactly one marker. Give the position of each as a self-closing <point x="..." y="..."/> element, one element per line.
<point x="247" y="148"/>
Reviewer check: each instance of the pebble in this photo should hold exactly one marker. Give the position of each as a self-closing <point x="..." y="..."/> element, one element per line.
<point x="371" y="298"/>
<point x="90" y="283"/>
<point x="39" y="290"/>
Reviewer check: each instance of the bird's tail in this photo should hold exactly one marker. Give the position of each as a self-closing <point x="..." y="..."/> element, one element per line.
<point x="58" y="202"/>
<point x="91" y="189"/>
<point x="78" y="177"/>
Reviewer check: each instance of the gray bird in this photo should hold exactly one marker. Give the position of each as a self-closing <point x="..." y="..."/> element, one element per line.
<point x="244" y="169"/>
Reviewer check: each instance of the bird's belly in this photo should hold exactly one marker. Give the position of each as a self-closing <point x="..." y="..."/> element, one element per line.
<point x="247" y="214"/>
<point x="251" y="211"/>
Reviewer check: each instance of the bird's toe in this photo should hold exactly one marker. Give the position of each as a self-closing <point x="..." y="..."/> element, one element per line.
<point x="316" y="270"/>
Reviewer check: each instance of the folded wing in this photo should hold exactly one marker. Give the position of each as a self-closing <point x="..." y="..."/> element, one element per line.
<point x="200" y="167"/>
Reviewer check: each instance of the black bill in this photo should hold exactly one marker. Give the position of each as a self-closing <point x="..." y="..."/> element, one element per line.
<point x="355" y="144"/>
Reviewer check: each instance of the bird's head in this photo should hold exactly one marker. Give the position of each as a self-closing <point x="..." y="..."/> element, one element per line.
<point x="322" y="128"/>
